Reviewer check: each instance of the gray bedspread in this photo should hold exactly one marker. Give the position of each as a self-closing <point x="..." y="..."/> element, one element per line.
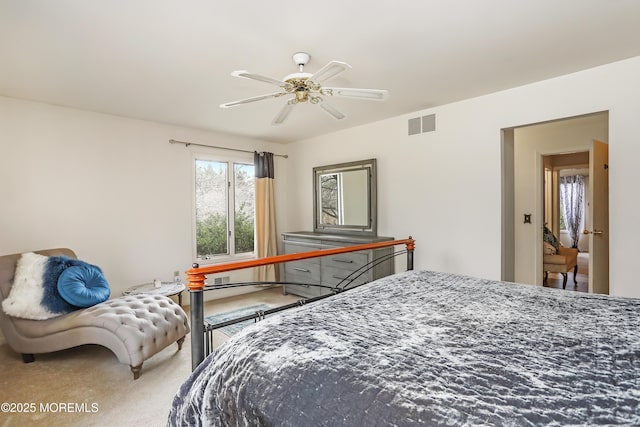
<point x="427" y="348"/>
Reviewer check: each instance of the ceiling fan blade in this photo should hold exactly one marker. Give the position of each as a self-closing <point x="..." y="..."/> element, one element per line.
<point x="332" y="111"/>
<point x="330" y="70"/>
<point x="347" y="92"/>
<point x="247" y="75"/>
<point x="255" y="98"/>
<point x="282" y="115"/>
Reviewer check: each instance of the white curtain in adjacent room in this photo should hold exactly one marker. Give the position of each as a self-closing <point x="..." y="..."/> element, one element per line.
<point x="572" y="200"/>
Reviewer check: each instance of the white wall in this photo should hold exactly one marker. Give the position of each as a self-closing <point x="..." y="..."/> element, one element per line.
<point x="118" y="193"/>
<point x="111" y="188"/>
<point x="444" y="187"/>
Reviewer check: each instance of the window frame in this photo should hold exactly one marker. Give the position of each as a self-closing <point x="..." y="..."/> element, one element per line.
<point x="231" y="161"/>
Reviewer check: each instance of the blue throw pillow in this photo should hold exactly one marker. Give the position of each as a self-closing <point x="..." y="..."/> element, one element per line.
<point x="83" y="285"/>
<point x="34" y="293"/>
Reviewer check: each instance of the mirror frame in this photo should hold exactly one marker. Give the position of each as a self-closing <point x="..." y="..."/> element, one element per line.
<point x="372" y="228"/>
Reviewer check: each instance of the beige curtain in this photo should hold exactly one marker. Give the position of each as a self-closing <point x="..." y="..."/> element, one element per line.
<point x="266" y="237"/>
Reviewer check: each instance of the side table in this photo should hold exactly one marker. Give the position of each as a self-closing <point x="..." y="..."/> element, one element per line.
<point x="166" y="288"/>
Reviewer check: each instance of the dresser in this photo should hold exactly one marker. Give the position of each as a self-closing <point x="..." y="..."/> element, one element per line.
<point x="332" y="269"/>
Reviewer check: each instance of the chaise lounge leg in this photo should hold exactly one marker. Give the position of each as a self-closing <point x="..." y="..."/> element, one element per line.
<point x="575" y="273"/>
<point x="180" y="341"/>
<point x="136" y="371"/>
<point x="28" y="357"/>
<point x="564" y="280"/>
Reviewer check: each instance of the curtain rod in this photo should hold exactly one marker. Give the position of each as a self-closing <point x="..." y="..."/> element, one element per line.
<point x="186" y="144"/>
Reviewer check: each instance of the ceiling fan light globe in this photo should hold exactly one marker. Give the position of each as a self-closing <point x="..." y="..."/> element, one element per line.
<point x="301" y="95"/>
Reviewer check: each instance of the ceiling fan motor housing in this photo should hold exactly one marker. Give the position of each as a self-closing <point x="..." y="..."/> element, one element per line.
<point x="301" y="59"/>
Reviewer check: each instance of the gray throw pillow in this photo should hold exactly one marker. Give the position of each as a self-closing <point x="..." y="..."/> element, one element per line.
<point x="551" y="239"/>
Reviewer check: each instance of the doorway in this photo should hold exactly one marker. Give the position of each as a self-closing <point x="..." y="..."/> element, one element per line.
<point x="523" y="207"/>
<point x="566" y="215"/>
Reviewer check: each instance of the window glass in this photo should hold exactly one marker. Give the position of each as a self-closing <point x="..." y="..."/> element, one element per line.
<point x="211" y="208"/>
<point x="330" y="196"/>
<point x="563" y="225"/>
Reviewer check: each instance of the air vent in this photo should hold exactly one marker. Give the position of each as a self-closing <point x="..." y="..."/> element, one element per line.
<point x="414" y="126"/>
<point x="221" y="280"/>
<point x="422" y="124"/>
<point x="428" y="123"/>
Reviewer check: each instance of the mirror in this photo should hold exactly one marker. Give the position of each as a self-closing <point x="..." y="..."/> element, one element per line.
<point x="345" y="198"/>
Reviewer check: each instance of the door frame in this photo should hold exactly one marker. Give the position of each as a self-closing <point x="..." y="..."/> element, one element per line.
<point x="508" y="214"/>
<point x="507" y="142"/>
<point x="540" y="207"/>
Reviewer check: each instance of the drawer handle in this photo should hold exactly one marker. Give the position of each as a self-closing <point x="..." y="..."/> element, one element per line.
<point x="340" y="278"/>
<point x="346" y="261"/>
<point x="304" y="270"/>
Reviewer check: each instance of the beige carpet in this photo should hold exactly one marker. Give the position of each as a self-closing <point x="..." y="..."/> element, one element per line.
<point x="90" y="379"/>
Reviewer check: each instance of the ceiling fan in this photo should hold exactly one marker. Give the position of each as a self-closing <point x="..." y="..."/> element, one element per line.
<point x="306" y="87"/>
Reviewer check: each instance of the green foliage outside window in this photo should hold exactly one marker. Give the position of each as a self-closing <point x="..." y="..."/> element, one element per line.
<point x="211" y="235"/>
<point x="244" y="232"/>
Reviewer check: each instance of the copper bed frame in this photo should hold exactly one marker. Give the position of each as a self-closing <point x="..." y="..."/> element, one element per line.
<point x="198" y="275"/>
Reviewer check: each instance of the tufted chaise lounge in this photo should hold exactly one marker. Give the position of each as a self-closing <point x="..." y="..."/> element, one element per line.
<point x="134" y="327"/>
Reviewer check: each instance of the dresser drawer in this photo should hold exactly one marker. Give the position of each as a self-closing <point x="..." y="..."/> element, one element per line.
<point x="348" y="261"/>
<point x="335" y="276"/>
<point x="292" y="248"/>
<point x="304" y="271"/>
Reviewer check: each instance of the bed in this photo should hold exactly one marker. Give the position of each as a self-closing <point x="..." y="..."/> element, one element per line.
<point x="427" y="348"/>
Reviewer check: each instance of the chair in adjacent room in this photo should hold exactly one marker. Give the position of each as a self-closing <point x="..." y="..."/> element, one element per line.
<point x="562" y="261"/>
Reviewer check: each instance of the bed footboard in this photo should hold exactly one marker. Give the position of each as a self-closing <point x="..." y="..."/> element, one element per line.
<point x="198" y="275"/>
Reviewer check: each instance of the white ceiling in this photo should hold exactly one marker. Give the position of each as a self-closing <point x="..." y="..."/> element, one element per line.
<point x="170" y="60"/>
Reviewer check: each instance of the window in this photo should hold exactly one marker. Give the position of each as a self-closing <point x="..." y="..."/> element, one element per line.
<point x="563" y="224"/>
<point x="224" y="208"/>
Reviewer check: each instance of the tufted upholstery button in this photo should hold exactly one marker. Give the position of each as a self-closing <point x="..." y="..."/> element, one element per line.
<point x="143" y="325"/>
